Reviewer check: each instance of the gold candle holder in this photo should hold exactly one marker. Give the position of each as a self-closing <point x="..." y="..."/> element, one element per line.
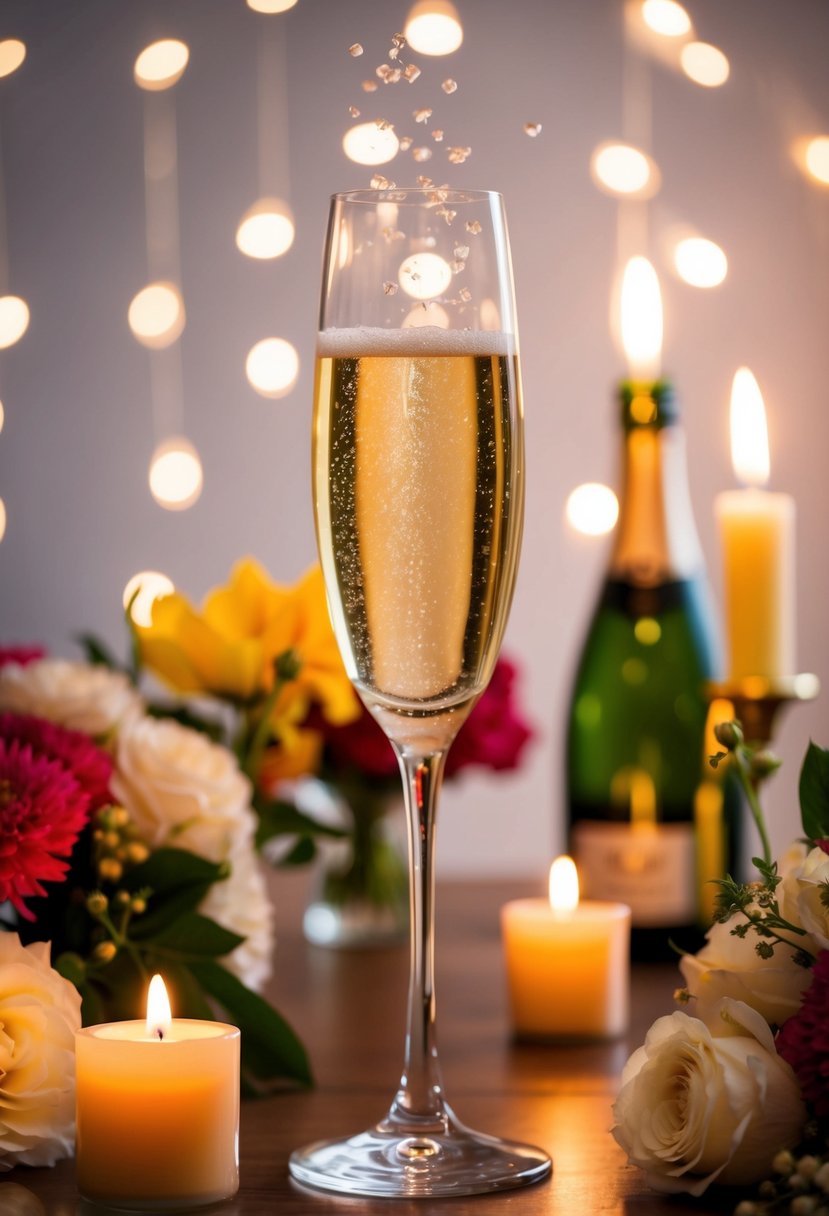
<point x="757" y="701"/>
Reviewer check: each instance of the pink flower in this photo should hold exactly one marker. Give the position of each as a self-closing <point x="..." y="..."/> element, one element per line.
<point x="494" y="736"/>
<point x="42" y="811"/>
<point x="20" y="654"/>
<point x="804" y="1039"/>
<point x="90" y="767"/>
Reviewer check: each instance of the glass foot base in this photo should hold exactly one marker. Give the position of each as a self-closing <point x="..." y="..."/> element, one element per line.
<point x="451" y="1161"/>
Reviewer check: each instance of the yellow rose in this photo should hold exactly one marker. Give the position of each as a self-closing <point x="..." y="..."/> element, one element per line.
<point x="228" y="648"/>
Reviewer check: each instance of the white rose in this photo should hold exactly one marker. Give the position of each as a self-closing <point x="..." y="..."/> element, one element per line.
<point x="181" y="789"/>
<point x="695" y="1107"/>
<point x="729" y="966"/>
<point x="804" y="889"/>
<point x="78" y="696"/>
<point x="241" y="904"/>
<point x="39" y="1014"/>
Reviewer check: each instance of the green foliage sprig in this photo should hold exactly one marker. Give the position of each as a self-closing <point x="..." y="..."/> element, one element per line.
<point x="755" y="904"/>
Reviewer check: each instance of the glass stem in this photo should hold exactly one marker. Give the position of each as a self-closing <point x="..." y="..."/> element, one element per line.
<point x="419" y="1104"/>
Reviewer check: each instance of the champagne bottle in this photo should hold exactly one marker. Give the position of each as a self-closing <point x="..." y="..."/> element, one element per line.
<point x="637" y="716"/>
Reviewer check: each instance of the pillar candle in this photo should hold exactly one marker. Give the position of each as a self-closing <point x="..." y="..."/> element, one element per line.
<point x="567" y="965"/>
<point x="758" y="544"/>
<point x="157" y="1114"/>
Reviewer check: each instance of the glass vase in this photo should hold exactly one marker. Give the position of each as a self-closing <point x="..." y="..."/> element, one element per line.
<point x="361" y="894"/>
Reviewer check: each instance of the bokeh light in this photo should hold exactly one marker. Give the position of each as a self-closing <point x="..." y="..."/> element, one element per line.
<point x="666" y="17"/>
<point x="2" y="519"/>
<point x="369" y="144"/>
<point x="14" y="320"/>
<point x="817" y="158"/>
<point x="272" y="367"/>
<point x="592" y="509"/>
<point x="700" y="262"/>
<point x="424" y="275"/>
<point x="433" y="27"/>
<point x="149" y="585"/>
<point x="156" y="315"/>
<point x="161" y="65"/>
<point x="266" y="230"/>
<point x="176" y="474"/>
<point x="622" y="169"/>
<point x="12" y="54"/>
<point x="433" y="314"/>
<point x="705" y="64"/>
<point x="2" y="416"/>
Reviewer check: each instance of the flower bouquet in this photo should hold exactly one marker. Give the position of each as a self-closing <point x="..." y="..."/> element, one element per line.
<point x="129" y="828"/>
<point x="736" y="1090"/>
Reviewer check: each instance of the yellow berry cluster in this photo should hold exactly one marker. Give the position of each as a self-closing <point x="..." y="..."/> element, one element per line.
<point x="116" y="844"/>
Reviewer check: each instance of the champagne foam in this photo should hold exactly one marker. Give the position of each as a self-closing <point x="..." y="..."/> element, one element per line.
<point x="425" y="341"/>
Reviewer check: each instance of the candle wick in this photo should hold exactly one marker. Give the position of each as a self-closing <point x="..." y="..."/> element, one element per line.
<point x="160" y="1032"/>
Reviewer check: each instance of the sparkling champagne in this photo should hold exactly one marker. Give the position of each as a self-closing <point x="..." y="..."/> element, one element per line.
<point x="418" y="486"/>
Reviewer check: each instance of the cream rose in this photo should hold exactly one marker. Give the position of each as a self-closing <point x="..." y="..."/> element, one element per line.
<point x="76" y="695"/>
<point x="729" y="966"/>
<point x="695" y="1107"/>
<point x="181" y="789"/>
<point x="241" y="904"/>
<point x="39" y="1014"/>
<point x="804" y="885"/>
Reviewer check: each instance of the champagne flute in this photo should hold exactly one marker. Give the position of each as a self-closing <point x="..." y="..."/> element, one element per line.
<point x="418" y="493"/>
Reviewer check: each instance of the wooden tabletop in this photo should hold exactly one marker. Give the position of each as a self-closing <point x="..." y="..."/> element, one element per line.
<point x="349" y="1009"/>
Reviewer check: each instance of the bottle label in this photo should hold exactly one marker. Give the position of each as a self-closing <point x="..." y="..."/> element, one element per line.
<point x="648" y="866"/>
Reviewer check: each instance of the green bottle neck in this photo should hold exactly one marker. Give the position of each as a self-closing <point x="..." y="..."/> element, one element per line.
<point x="656" y="537"/>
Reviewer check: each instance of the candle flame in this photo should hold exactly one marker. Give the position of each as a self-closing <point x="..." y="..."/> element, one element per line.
<point x="749" y="433"/>
<point x="159" y="1015"/>
<point x="641" y="308"/>
<point x="564" y="886"/>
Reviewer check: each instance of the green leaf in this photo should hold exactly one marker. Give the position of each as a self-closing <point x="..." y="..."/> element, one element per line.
<point x="178" y="882"/>
<point x="92" y="1007"/>
<point x="168" y="870"/>
<point x="283" y="819"/>
<point x="186" y="717"/>
<point x="195" y="936"/>
<point x="72" y="967"/>
<point x="814" y="792"/>
<point x="271" y="1050"/>
<point x="97" y="653"/>
<point x="302" y="852"/>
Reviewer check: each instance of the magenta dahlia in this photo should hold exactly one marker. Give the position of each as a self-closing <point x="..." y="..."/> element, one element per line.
<point x="91" y="768"/>
<point x="42" y="811"/>
<point x="804" y="1039"/>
